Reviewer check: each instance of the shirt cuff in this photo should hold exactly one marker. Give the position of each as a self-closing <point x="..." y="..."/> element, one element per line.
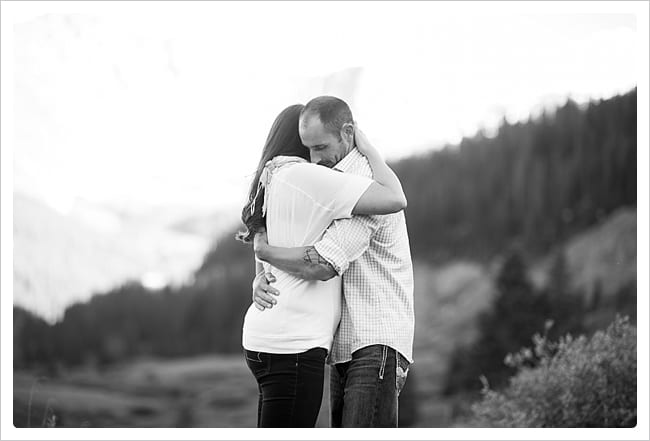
<point x="334" y="255"/>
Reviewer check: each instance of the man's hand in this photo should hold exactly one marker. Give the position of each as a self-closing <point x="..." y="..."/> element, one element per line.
<point x="262" y="291"/>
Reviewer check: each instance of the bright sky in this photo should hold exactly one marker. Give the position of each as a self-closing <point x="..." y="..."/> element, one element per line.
<point x="170" y="103"/>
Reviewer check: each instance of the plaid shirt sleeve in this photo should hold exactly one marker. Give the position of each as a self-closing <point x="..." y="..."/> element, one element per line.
<point x="345" y="240"/>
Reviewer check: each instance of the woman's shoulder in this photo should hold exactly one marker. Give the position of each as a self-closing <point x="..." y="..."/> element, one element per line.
<point x="279" y="165"/>
<point x="298" y="170"/>
<point x="302" y="167"/>
<point x="306" y="172"/>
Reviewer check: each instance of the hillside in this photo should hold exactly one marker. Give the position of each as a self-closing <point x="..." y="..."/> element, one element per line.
<point x="450" y="299"/>
<point x="601" y="259"/>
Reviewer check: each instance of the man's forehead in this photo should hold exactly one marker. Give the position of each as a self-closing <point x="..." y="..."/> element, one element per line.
<point x="313" y="129"/>
<point x="310" y="121"/>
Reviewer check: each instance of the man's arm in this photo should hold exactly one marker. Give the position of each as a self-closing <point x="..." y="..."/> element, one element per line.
<point x="302" y="262"/>
<point x="344" y="241"/>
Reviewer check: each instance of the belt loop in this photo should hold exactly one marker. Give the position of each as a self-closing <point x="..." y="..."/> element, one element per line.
<point x="384" y="354"/>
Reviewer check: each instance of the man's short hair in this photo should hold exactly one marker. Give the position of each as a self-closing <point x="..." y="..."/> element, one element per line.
<point x="333" y="112"/>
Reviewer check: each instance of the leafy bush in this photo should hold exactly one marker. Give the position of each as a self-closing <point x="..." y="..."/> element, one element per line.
<point x="582" y="382"/>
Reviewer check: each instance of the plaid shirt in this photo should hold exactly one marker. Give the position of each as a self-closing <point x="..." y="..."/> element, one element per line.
<point x="372" y="254"/>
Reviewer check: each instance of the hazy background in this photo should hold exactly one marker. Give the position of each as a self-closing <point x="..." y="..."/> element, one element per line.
<point x="136" y="134"/>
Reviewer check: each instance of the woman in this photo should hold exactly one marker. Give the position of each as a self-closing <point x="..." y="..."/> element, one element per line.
<point x="285" y="347"/>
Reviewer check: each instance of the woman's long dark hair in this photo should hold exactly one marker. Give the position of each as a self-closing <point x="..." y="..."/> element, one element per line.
<point x="283" y="140"/>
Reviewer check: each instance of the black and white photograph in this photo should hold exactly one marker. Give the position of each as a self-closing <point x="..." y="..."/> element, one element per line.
<point x="222" y="217"/>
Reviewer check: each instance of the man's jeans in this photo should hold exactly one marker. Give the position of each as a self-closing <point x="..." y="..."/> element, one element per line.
<point x="364" y="391"/>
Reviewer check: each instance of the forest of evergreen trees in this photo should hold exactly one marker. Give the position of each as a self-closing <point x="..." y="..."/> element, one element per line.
<point x="202" y="317"/>
<point x="534" y="184"/>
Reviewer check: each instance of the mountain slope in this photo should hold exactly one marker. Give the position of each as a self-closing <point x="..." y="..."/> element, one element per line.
<point x="59" y="259"/>
<point x="601" y="259"/>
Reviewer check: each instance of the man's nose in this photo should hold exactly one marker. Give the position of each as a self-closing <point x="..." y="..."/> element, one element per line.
<point x="314" y="157"/>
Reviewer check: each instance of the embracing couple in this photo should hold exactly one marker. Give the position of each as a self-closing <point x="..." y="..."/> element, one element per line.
<point x="334" y="275"/>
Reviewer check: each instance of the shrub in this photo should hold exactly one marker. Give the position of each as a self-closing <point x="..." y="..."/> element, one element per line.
<point x="582" y="382"/>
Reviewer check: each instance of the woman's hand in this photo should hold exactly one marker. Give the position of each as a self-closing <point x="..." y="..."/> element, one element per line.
<point x="363" y="144"/>
<point x="385" y="195"/>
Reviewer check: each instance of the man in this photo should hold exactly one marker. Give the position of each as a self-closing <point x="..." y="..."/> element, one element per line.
<point x="372" y="348"/>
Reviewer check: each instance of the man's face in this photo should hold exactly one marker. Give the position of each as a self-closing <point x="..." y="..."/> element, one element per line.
<point x="325" y="148"/>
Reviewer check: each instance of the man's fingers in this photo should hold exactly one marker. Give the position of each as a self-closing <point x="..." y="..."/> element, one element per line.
<point x="260" y="294"/>
<point x="265" y="287"/>
<point x="262" y="302"/>
<point x="263" y="291"/>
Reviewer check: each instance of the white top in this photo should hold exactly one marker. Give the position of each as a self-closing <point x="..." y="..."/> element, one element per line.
<point x="302" y="200"/>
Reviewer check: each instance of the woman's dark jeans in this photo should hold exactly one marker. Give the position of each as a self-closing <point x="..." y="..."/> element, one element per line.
<point x="290" y="385"/>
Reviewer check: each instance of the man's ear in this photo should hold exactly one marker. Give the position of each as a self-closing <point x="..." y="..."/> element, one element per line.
<point x="347" y="131"/>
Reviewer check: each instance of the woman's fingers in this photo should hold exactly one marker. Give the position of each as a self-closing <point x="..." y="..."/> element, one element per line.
<point x="359" y="135"/>
<point x="362" y="141"/>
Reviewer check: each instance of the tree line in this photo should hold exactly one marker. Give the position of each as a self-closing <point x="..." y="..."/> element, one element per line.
<point x="202" y="316"/>
<point x="533" y="184"/>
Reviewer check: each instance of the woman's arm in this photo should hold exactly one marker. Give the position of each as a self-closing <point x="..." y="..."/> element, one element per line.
<point x="385" y="195"/>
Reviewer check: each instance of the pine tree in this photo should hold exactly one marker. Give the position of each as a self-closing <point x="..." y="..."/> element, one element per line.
<point x="514" y="318"/>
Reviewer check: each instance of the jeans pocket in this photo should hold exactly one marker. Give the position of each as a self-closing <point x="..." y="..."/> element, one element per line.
<point x="372" y="359"/>
<point x="401" y="372"/>
<point x="257" y="362"/>
<point x="253" y="356"/>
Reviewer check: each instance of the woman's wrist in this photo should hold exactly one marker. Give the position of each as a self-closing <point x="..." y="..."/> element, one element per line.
<point x="375" y="160"/>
